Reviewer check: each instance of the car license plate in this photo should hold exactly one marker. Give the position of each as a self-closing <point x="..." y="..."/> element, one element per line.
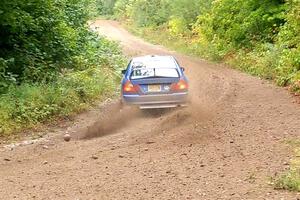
<point x="154" y="88"/>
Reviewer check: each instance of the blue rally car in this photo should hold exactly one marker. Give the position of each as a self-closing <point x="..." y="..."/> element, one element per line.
<point x="154" y="82"/>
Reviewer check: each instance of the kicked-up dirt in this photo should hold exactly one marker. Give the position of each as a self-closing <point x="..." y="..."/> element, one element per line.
<point x="227" y="144"/>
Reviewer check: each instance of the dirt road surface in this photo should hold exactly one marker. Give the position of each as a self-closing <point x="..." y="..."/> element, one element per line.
<point x="225" y="145"/>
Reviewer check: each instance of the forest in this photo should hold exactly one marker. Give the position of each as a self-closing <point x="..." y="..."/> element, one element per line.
<point x="259" y="37"/>
<point x="51" y="64"/>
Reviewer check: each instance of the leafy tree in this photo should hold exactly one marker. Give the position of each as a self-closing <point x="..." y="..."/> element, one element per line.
<point x="184" y="13"/>
<point x="105" y="7"/>
<point x="50" y="63"/>
<point x="148" y="12"/>
<point x="239" y="22"/>
<point x="288" y="43"/>
<point x="38" y="38"/>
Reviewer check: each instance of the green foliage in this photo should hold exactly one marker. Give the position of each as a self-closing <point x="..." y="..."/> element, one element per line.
<point x="157" y="12"/>
<point x="290" y="180"/>
<point x="50" y="63"/>
<point x="278" y="60"/>
<point x="148" y="12"/>
<point x="39" y="38"/>
<point x="288" y="43"/>
<point x="241" y="23"/>
<point x="105" y="7"/>
<point x="259" y="37"/>
<point x="28" y="104"/>
<point x="120" y="8"/>
<point x="188" y="10"/>
<point x="177" y="27"/>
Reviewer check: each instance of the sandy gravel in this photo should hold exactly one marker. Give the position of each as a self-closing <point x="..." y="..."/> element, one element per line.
<point x="225" y="145"/>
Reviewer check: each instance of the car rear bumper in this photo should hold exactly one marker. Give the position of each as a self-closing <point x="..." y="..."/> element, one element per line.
<point x="157" y="100"/>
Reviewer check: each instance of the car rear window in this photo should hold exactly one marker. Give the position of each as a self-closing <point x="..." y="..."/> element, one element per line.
<point x="144" y="72"/>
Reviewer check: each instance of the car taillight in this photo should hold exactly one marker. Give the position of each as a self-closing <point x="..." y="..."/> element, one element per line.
<point x="128" y="87"/>
<point x="180" y="85"/>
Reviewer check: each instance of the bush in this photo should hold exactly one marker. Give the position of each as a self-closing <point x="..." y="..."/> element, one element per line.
<point x="177" y="27"/>
<point x="27" y="104"/>
<point x="148" y="12"/>
<point x="50" y="63"/>
<point x="290" y="180"/>
<point x="105" y="7"/>
<point x="159" y="12"/>
<point x="289" y="44"/>
<point x="241" y="23"/>
<point x="39" y="38"/>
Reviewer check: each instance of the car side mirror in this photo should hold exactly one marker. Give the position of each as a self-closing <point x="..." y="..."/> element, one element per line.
<point x="182" y="69"/>
<point x="124" y="71"/>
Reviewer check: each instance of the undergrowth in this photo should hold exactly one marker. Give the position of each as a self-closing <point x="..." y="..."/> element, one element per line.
<point x="290" y="180"/>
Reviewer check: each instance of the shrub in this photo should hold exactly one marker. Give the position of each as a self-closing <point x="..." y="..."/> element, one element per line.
<point x="288" y="42"/>
<point x="28" y="104"/>
<point x="177" y="27"/>
<point x="39" y="38"/>
<point x="105" y="7"/>
<point x="290" y="180"/>
<point x="50" y="63"/>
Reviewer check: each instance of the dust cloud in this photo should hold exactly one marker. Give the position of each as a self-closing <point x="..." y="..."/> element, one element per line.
<point x="114" y="117"/>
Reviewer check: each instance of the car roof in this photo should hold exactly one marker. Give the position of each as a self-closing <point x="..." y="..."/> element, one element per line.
<point x="154" y="61"/>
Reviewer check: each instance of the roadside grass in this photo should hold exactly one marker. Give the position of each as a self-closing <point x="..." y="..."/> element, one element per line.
<point x="28" y="105"/>
<point x="290" y="180"/>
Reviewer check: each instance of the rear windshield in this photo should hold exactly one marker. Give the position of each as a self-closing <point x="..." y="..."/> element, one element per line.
<point x="140" y="73"/>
